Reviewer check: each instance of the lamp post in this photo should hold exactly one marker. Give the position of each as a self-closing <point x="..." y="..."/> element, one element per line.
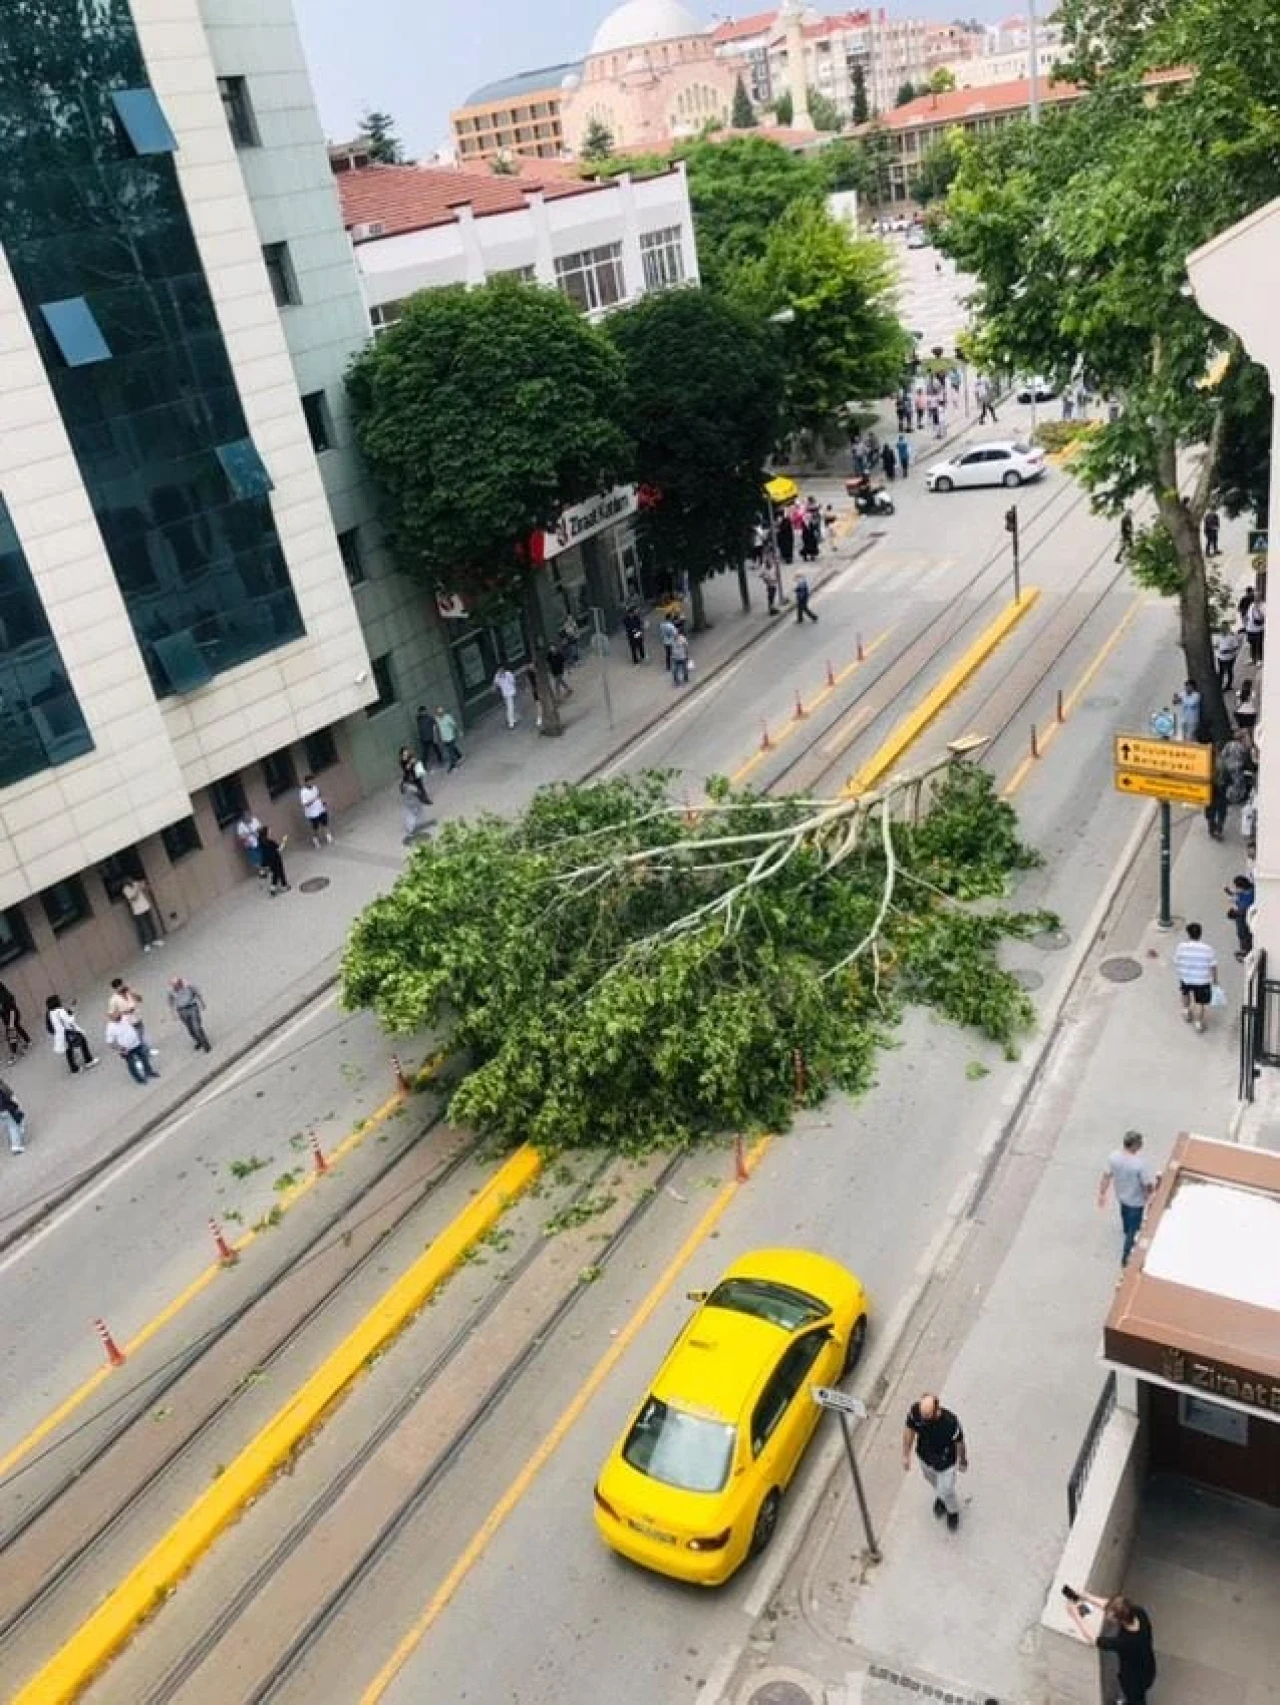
<point x="1033" y="60"/>
<point x="783" y="317"/>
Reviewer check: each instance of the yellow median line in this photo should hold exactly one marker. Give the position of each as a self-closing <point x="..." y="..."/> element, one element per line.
<point x="110" y="1627"/>
<point x="820" y="698"/>
<point x="913" y="726"/>
<point x="174" y="1307"/>
<point x="1045" y="737"/>
<point x="479" y="1541"/>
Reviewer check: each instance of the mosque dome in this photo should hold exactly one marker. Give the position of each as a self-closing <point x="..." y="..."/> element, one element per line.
<point x="637" y="23"/>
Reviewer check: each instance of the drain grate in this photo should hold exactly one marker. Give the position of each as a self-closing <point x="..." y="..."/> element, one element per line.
<point x="781" y="1693"/>
<point x="1120" y="970"/>
<point x="1051" y="940"/>
<point x="313" y="884"/>
<point x="920" y="1688"/>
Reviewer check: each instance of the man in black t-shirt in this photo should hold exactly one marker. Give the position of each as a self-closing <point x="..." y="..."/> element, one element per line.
<point x="935" y="1436"/>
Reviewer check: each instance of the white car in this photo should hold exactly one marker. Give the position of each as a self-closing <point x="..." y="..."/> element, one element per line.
<point x="1036" y="390"/>
<point x="994" y="463"/>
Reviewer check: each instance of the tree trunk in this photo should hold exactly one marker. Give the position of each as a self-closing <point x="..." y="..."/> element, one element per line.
<point x="700" y="622"/>
<point x="547" y="700"/>
<point x="1194" y="618"/>
<point x="744" y="587"/>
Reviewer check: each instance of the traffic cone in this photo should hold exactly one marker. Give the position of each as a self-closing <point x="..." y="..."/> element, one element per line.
<point x="800" y="710"/>
<point x="740" y="1170"/>
<point x="831" y="674"/>
<point x="862" y="656"/>
<point x="227" y="1257"/>
<point x="317" y="1156"/>
<point x="115" y="1355"/>
<point x="402" y="1076"/>
<point x="766" y="745"/>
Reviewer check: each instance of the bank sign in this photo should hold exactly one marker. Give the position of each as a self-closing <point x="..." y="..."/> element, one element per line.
<point x="585" y="520"/>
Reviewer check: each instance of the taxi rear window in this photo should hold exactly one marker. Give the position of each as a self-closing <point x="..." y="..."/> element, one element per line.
<point x="687" y="1451"/>
<point x="779" y="1304"/>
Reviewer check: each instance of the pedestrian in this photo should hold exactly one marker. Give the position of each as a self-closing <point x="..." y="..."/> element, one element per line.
<point x="680" y="660"/>
<point x="1212" y="526"/>
<point x="273" y="854"/>
<point x="447" y="724"/>
<point x="1126" y="537"/>
<point x="11" y="1018"/>
<point x="123" y="1035"/>
<point x="186" y="1003"/>
<point x="801" y="590"/>
<point x="889" y="462"/>
<point x="1241" y="895"/>
<point x="1246" y="598"/>
<point x="982" y="393"/>
<point x="667" y="634"/>
<point x="1188" y="703"/>
<point x="1123" y="1628"/>
<point x="1255" y="621"/>
<point x="786" y="538"/>
<point x="1196" y="966"/>
<point x="940" y="429"/>
<point x="934" y="1435"/>
<point x="1068" y="404"/>
<point x="428" y="737"/>
<point x="1226" y="648"/>
<point x="922" y="401"/>
<point x="1246" y="707"/>
<point x="813" y="515"/>
<point x="1215" y="812"/>
<point x="904" y="456"/>
<point x="1134" y="1183"/>
<point x="124" y="1002"/>
<point x="316" y="812"/>
<point x="505" y="686"/>
<point x="1249" y="827"/>
<point x="769" y="575"/>
<point x="829" y="517"/>
<point x="15" y="1119"/>
<point x="413" y="792"/>
<point x="248" y="829"/>
<point x="569" y="633"/>
<point x="633" y="621"/>
<point x="808" y="541"/>
<point x="1082" y="399"/>
<point x="556" y="664"/>
<point x="759" y="538"/>
<point x="68" y="1038"/>
<point x="137" y="896"/>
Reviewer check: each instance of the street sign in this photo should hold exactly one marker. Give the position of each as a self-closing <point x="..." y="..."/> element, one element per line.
<point x="1179" y="789"/>
<point x="826" y="1398"/>
<point x="1257" y="541"/>
<point x="1178" y="759"/>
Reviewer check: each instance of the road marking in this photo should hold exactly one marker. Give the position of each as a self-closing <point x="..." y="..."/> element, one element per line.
<point x="569" y="1416"/>
<point x="914" y="724"/>
<point x="1049" y="734"/>
<point x="788" y="728"/>
<point x="149" y="1582"/>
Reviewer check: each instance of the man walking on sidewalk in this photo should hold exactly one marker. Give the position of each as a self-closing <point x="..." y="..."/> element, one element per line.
<point x="505" y="683"/>
<point x="1134" y="1183"/>
<point x="187" y="1005"/>
<point x="935" y="1436"/>
<point x="1196" y="965"/>
<point x="982" y="392"/>
<point x="801" y="590"/>
<point x="122" y="1035"/>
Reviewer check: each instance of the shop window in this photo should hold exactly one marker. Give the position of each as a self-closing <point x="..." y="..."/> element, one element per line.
<point x="385" y="682"/>
<point x="141" y="118"/>
<point x="66" y="904"/>
<point x="15" y="937"/>
<point x="278" y="774"/>
<point x="227" y="799"/>
<point x="321" y="751"/>
<point x="352" y="560"/>
<point x="238" y="109"/>
<point x="181" y="839"/>
<point x="119" y="868"/>
<point x="75" y="331"/>
<point x="319" y="422"/>
<point x="284" y="281"/>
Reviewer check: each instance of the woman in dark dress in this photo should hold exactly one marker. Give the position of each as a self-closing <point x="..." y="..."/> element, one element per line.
<point x="11" y="1020"/>
<point x="1123" y="1628"/>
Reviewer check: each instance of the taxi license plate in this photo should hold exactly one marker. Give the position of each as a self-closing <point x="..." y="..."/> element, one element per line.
<point x="650" y="1532"/>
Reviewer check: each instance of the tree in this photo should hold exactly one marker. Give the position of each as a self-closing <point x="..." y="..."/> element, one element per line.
<point x="861" y="106"/>
<point x="845" y="341"/>
<point x="483" y="413"/>
<point x="703" y="392"/>
<point x="740" y="189"/>
<point x="597" y="143"/>
<point x="823" y="111"/>
<point x="607" y="973"/>
<point x="378" y="129"/>
<point x="906" y="92"/>
<point x="742" y="115"/>
<point x="784" y="110"/>
<point x="941" y="81"/>
<point x="938" y="167"/>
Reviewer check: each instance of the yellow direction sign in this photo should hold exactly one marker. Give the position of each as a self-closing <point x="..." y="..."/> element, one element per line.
<point x="1174" y="758"/>
<point x="1178" y="789"/>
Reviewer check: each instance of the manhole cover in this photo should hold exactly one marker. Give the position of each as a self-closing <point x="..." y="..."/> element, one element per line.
<point x="781" y="1693"/>
<point x="1029" y="979"/>
<point x="1100" y="701"/>
<point x="1051" y="940"/>
<point x="313" y="884"/>
<point x="1121" y="970"/>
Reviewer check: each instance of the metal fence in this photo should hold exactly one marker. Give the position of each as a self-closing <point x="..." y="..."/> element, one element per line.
<point x="1259" y="1027"/>
<point x="1089" y="1449"/>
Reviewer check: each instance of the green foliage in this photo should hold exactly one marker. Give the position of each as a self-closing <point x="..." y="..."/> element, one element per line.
<point x="938" y="167"/>
<point x="702" y="396"/>
<point x="845" y="341"/>
<point x="1057" y="434"/>
<point x="545" y="951"/>
<point x="861" y="105"/>
<point x="906" y="92"/>
<point x="378" y="129"/>
<point x="742" y="115"/>
<point x="1243" y="482"/>
<point x="597" y="144"/>
<point x="739" y="190"/>
<point x="823" y="111"/>
<point x="784" y="110"/>
<point x="941" y="81"/>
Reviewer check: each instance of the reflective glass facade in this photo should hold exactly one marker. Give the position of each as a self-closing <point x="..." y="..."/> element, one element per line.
<point x="40" y="718"/>
<point x="88" y="211"/>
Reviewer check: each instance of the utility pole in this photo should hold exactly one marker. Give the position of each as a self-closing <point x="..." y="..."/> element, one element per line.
<point x="1011" y="527"/>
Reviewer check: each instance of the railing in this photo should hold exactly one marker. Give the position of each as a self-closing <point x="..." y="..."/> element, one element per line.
<point x="1259" y="1027"/>
<point x="1089" y="1449"/>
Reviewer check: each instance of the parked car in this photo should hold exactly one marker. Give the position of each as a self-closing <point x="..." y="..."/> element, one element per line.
<point x="917" y="237"/>
<point x="994" y="463"/>
<point x="694" y="1485"/>
<point x="1036" y="390"/>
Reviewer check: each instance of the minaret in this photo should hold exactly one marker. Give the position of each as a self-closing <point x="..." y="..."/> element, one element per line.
<point x="793" y="19"/>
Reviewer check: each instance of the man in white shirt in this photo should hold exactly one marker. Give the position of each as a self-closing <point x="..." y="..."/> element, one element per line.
<point x="315" y="811"/>
<point x="122" y="1035"/>
<point x="505" y="682"/>
<point x="1197" y="967"/>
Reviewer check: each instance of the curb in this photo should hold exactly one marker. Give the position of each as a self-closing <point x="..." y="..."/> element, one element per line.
<point x="149" y="1583"/>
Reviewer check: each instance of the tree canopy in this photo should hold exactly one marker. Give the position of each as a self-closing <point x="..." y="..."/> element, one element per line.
<point x="597" y="143"/>
<point x="608" y="972"/>
<point x="742" y="115"/>
<point x="823" y="111"/>
<point x="906" y="92"/>
<point x="784" y="110"/>
<point x="378" y="129"/>
<point x="739" y="190"/>
<point x="861" y="105"/>
<point x="938" y="167"/>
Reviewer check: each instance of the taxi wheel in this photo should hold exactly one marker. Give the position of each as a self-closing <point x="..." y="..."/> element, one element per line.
<point x="766" y="1522"/>
<point x="855" y="1346"/>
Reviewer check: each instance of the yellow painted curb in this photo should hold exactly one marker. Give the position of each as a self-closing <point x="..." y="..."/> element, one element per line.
<point x="913" y="726"/>
<point x="147" y="1585"/>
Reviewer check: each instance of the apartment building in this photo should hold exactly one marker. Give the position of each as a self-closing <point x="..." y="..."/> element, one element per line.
<point x="515" y="116"/>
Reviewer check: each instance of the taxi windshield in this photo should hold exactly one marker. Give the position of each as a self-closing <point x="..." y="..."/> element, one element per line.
<point x="687" y="1451"/>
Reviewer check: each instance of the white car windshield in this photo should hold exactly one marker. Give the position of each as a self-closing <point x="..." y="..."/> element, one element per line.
<point x="679" y="1449"/>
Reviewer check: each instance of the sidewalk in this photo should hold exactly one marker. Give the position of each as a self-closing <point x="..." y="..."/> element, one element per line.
<point x="259" y="962"/>
<point x="1013" y="1341"/>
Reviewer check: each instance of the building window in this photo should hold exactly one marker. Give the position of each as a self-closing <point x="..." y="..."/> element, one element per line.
<point x="321" y="751"/>
<point x="15" y="937"/>
<point x="181" y="839"/>
<point x="239" y="112"/>
<point x="245" y="470"/>
<point x="278" y="773"/>
<point x="227" y="798"/>
<point x="385" y="682"/>
<point x="75" y="331"/>
<point x="66" y="904"/>
<point x="284" y="281"/>
<point x="319" y="421"/>
<point x="141" y="119"/>
<point x="384" y="314"/>
<point x="120" y="868"/>
<point x="593" y="278"/>
<point x="662" y="256"/>
<point x="352" y="561"/>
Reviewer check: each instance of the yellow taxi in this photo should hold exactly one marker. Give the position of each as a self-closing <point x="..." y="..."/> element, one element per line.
<point x="694" y="1485"/>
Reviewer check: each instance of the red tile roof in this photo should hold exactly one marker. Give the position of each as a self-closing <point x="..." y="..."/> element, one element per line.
<point x="733" y="29"/>
<point x="956" y="106"/>
<point x="409" y="198"/>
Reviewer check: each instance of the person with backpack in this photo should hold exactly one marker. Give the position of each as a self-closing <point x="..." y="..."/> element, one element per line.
<point x="68" y="1038"/>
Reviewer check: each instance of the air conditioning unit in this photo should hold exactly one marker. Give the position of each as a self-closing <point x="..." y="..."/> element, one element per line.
<point x="360" y="233"/>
